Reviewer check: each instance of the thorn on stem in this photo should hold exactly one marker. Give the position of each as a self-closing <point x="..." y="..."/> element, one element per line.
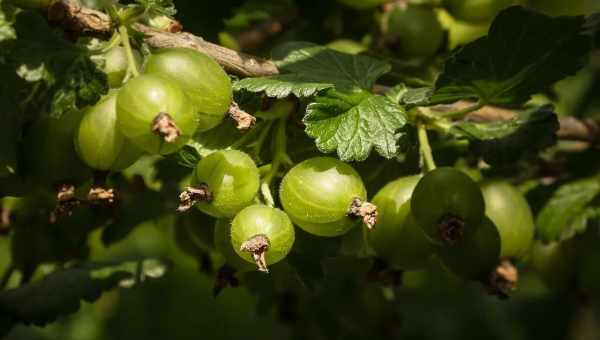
<point x="193" y="195"/>
<point x="364" y="210"/>
<point x="258" y="245"/>
<point x="243" y="119"/>
<point x="164" y="125"/>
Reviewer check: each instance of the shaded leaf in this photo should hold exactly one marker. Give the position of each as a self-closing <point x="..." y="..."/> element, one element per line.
<point x="507" y="141"/>
<point x="60" y="292"/>
<point x="187" y="156"/>
<point x="524" y="53"/>
<point x="353" y="123"/>
<point x="568" y="210"/>
<point x="43" y="58"/>
<point x="308" y="68"/>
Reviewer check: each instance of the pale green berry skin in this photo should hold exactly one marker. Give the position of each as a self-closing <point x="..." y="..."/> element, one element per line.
<point x="115" y="65"/>
<point x="397" y="238"/>
<point x="233" y="179"/>
<point x="475" y="11"/>
<point x="510" y="212"/>
<point x="222" y="240"/>
<point x="200" y="77"/>
<point x="418" y="30"/>
<point x="98" y="141"/>
<point x="317" y="194"/>
<point x="262" y="220"/>
<point x="141" y="100"/>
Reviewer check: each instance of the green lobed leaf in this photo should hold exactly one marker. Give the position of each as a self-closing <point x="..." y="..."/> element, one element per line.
<point x="61" y="74"/>
<point x="524" y="53"/>
<point x="353" y="123"/>
<point x="281" y="86"/>
<point x="60" y="292"/>
<point x="308" y="68"/>
<point x="568" y="210"/>
<point x="7" y="32"/>
<point x="503" y="142"/>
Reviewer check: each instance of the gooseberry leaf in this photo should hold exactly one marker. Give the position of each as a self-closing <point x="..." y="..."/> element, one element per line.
<point x="524" y="53"/>
<point x="61" y="74"/>
<point x="503" y="142"/>
<point x="569" y="209"/>
<point x="60" y="292"/>
<point x="353" y="123"/>
<point x="188" y="156"/>
<point x="308" y="68"/>
<point x="7" y="32"/>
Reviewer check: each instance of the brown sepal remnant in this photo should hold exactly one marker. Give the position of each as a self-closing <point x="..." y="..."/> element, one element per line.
<point x="244" y="120"/>
<point x="503" y="279"/>
<point x="364" y="210"/>
<point x="164" y="125"/>
<point x="65" y="201"/>
<point x="258" y="245"/>
<point x="193" y="195"/>
<point x="101" y="195"/>
<point x="452" y="229"/>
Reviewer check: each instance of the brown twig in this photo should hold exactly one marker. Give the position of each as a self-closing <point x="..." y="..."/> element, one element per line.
<point x="254" y="36"/>
<point x="571" y="128"/>
<point x="82" y="20"/>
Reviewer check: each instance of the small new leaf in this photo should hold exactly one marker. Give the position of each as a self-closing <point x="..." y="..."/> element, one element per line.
<point x="352" y="123"/>
<point x="524" y="53"/>
<point x="308" y="68"/>
<point x="504" y="142"/>
<point x="569" y="210"/>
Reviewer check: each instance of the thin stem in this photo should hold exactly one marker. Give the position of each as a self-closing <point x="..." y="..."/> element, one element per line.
<point x="279" y="150"/>
<point x="461" y="113"/>
<point x="429" y="163"/>
<point x="139" y="272"/>
<point x="434" y="121"/>
<point x="6" y="276"/>
<point x="279" y="156"/>
<point x="265" y="190"/>
<point x="246" y="137"/>
<point x="132" y="68"/>
<point x="261" y="138"/>
<point x="114" y="41"/>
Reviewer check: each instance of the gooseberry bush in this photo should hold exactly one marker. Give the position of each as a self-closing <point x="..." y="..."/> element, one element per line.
<point x="328" y="154"/>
